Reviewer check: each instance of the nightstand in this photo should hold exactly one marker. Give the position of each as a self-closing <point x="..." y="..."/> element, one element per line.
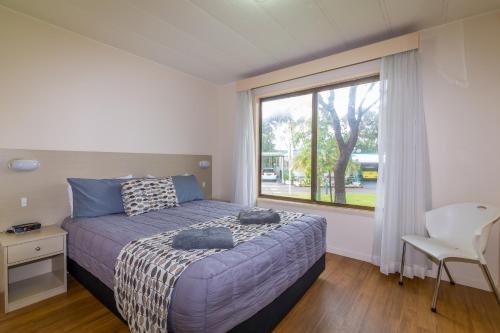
<point x="33" y="266"/>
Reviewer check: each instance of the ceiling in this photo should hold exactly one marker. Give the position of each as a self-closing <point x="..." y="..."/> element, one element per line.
<point x="226" y="40"/>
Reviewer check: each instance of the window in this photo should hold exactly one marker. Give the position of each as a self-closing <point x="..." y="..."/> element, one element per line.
<point x="320" y="145"/>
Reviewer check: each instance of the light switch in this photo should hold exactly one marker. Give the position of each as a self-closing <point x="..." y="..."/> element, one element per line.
<point x="24" y="202"/>
<point x="203" y="184"/>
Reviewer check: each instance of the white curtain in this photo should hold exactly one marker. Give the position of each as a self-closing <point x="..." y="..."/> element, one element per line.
<point x="403" y="187"/>
<point x="244" y="172"/>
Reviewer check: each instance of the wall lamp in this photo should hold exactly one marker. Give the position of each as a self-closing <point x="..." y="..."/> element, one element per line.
<point x="23" y="165"/>
<point x="204" y="164"/>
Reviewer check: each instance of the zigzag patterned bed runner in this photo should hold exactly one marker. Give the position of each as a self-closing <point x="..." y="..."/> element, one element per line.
<point x="147" y="269"/>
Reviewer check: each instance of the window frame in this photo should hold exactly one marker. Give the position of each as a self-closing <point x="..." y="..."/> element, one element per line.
<point x="314" y="142"/>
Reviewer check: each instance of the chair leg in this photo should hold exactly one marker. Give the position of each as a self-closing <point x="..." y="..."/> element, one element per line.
<point x="401" y="270"/>
<point x="436" y="288"/>
<point x="490" y="281"/>
<point x="452" y="282"/>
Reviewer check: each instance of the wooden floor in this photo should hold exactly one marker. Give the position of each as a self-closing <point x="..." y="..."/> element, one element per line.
<point x="350" y="296"/>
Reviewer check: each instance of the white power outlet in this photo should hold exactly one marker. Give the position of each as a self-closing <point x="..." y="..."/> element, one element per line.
<point x="203" y="184"/>
<point x="24" y="202"/>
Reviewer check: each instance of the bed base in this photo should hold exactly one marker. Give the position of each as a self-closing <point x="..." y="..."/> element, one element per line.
<point x="263" y="321"/>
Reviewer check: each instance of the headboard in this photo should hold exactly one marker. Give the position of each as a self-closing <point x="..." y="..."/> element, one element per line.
<point x="46" y="187"/>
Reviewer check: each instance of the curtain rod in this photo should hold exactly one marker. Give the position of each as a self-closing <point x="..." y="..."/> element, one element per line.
<point x="300" y="77"/>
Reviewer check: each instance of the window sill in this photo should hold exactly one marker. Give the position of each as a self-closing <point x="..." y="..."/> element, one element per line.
<point x="315" y="206"/>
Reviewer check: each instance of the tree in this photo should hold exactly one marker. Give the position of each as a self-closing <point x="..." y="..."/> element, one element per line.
<point x="302" y="161"/>
<point x="327" y="156"/>
<point x="368" y="133"/>
<point x="286" y="120"/>
<point x="347" y="135"/>
<point x="267" y="137"/>
<point x="293" y="132"/>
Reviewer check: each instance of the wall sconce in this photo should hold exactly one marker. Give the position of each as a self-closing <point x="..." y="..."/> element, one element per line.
<point x="23" y="165"/>
<point x="204" y="164"/>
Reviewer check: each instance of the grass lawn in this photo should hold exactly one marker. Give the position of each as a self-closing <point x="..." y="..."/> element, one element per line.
<point x="361" y="199"/>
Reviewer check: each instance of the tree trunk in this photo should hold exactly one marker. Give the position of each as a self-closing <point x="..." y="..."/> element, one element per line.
<point x="330" y="185"/>
<point x="290" y="169"/>
<point x="339" y="178"/>
<point x="290" y="158"/>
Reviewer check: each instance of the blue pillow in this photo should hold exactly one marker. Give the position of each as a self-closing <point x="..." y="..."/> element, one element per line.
<point x="96" y="197"/>
<point x="187" y="188"/>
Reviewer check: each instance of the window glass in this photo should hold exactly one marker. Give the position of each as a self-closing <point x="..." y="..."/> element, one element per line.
<point x="347" y="159"/>
<point x="286" y="146"/>
<point x="333" y="128"/>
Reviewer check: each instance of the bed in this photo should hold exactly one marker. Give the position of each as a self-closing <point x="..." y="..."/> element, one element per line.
<point x="249" y="288"/>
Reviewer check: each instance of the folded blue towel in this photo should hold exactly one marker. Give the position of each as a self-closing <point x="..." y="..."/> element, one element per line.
<point x="208" y="238"/>
<point x="258" y="217"/>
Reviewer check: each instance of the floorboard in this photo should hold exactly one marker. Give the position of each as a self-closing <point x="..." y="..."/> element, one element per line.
<point x="349" y="296"/>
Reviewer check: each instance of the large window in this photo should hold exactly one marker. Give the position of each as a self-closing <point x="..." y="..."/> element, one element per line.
<point x="320" y="145"/>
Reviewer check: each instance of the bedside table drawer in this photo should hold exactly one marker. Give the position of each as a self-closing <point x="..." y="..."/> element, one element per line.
<point x="35" y="249"/>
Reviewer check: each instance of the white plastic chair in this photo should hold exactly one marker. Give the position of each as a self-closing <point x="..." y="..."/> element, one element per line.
<point x="458" y="232"/>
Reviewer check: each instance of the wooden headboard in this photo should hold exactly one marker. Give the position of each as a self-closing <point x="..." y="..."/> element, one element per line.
<point x="46" y="187"/>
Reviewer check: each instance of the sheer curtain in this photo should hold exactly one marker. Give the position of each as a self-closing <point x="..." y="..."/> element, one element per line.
<point x="244" y="171"/>
<point x="403" y="188"/>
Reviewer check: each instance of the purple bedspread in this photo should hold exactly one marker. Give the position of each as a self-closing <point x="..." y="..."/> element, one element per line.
<point x="218" y="292"/>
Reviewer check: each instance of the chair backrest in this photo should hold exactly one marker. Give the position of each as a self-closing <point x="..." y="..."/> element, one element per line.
<point x="463" y="225"/>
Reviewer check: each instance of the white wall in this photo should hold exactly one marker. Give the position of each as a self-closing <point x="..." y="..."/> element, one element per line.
<point x="349" y="231"/>
<point x="462" y="124"/>
<point x="62" y="91"/>
<point x="461" y="80"/>
<point x="222" y="159"/>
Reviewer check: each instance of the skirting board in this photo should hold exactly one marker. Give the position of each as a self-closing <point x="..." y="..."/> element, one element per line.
<point x="474" y="283"/>
<point x="479" y="283"/>
<point x="349" y="254"/>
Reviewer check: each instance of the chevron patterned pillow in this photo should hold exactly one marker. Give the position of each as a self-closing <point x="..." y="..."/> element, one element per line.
<point x="148" y="194"/>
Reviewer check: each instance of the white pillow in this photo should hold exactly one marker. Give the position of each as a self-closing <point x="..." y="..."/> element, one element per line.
<point x="70" y="192"/>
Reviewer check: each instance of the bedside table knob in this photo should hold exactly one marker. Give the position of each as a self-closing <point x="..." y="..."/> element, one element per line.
<point x="37" y="248"/>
